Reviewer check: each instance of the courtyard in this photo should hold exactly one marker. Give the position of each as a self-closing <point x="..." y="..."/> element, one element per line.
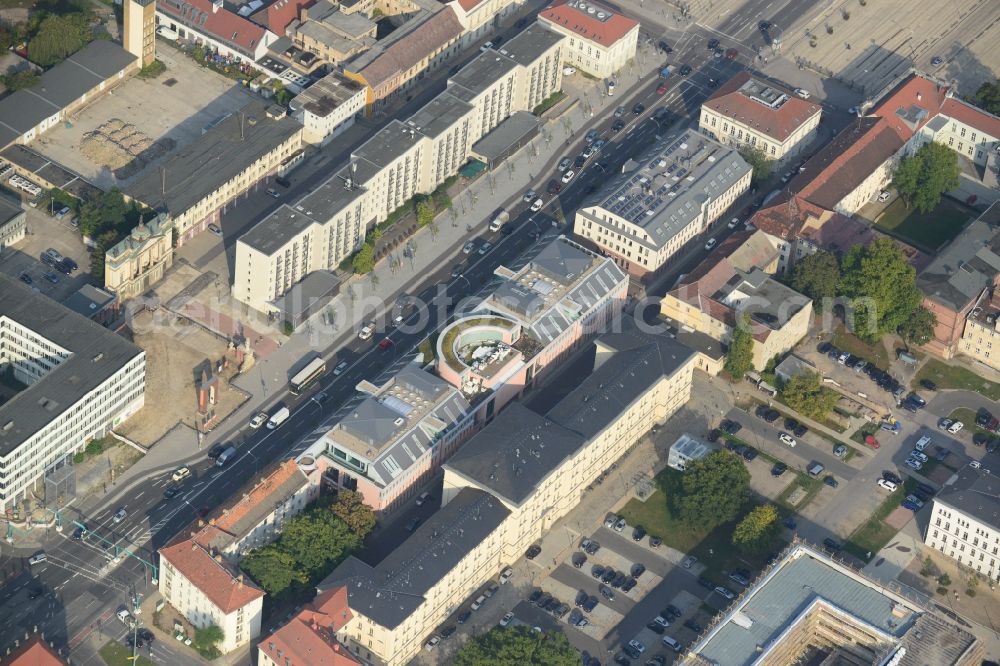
<point x="926" y="231"/>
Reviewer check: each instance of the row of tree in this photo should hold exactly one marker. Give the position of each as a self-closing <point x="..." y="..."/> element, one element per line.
<point x="310" y="546"/>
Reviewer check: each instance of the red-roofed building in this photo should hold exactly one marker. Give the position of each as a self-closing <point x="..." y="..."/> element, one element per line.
<point x="310" y="638"/>
<point x="600" y="40"/>
<point x="32" y="652"/>
<point x="479" y="17"/>
<point x="749" y="111"/>
<point x="209" y="23"/>
<point x="277" y="15"/>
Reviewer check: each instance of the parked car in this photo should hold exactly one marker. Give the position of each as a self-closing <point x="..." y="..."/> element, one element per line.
<point x="505" y="620"/>
<point x="620" y="525"/>
<point x="689" y="561"/>
<point x="533" y="551"/>
<point x="887" y="485"/>
<point x="840" y="450"/>
<point x="710" y="244"/>
<point x="787" y="439"/>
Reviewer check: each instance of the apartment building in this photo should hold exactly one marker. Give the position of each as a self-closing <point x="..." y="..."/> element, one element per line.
<point x="80" y="381"/>
<point x="197" y="183"/>
<point x="807" y="603"/>
<point x="213" y="25"/>
<point x="748" y="111"/>
<point x="481" y="17"/>
<point x="555" y="303"/>
<point x="310" y="637"/>
<point x="393" y="438"/>
<point x="400" y="160"/>
<point x="505" y="487"/>
<point x="716" y="295"/>
<point x="13" y="222"/>
<point x="963" y="523"/>
<point x="332" y="33"/>
<point x="599" y="40"/>
<point x="327" y="107"/>
<point x="254" y="515"/>
<point x="140" y="260"/>
<point x="207" y="589"/>
<point x="676" y="190"/>
<point x="33" y="651"/>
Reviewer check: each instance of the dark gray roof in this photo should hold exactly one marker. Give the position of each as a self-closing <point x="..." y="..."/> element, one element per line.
<point x="88" y="300"/>
<point x="215" y="158"/>
<point x="513" y="454"/>
<point x="50" y="172"/>
<point x="386" y="146"/>
<point x="95" y="354"/>
<point x="280" y="226"/>
<point x="65" y="83"/>
<point x="480" y="74"/>
<point x="390" y="592"/>
<point x="638" y="360"/>
<point x="525" y="47"/>
<point x="513" y="131"/>
<point x="10" y="209"/>
<point x="960" y="273"/>
<point x="439" y="114"/>
<point x="976" y="493"/>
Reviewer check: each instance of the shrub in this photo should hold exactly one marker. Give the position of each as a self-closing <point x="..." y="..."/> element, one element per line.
<point x="95" y="447"/>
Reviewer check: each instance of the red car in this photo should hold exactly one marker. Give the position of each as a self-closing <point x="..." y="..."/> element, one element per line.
<point x="385" y="344"/>
<point x="662" y="89"/>
<point x="731" y="54"/>
<point x="993" y="425"/>
<point x="872" y="442"/>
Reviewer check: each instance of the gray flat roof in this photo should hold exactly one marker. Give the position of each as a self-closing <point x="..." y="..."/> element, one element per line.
<point x="204" y="165"/>
<point x="95" y="355"/>
<point x="10" y="209"/>
<point x="484" y="71"/>
<point x="976" y="493"/>
<point x="766" y="300"/>
<point x="525" y="47"/>
<point x="271" y="233"/>
<point x="88" y="300"/>
<point x="313" y="291"/>
<point x="50" y="171"/>
<point x="390" y="592"/>
<point x="439" y="114"/>
<point x="324" y="96"/>
<point x="960" y="273"/>
<point x="508" y="133"/>
<point x="385" y="146"/>
<point x="65" y="83"/>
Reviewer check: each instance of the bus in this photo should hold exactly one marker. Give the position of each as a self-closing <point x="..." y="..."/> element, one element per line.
<point x="307" y="375"/>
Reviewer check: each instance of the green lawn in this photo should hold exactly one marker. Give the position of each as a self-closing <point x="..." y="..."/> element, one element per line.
<point x="116" y="654"/>
<point x="927" y="231"/>
<point x="874" y="533"/>
<point x="848" y="342"/>
<point x="956" y="377"/>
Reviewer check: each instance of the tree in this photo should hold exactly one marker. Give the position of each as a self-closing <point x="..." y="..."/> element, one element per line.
<point x="881" y="284"/>
<point x="20" y="80"/>
<point x="351" y="508"/>
<point x="57" y="38"/>
<point x="517" y="646"/>
<point x="922" y="178"/>
<point x="104" y="242"/>
<point x="273" y="569"/>
<point x="714" y="490"/>
<point x="987" y="97"/>
<point x="206" y="641"/>
<point x="425" y="213"/>
<point x="758" y="530"/>
<point x="364" y="261"/>
<point x="739" y="358"/>
<point x="757" y="159"/>
<point x="919" y="328"/>
<point x="816" y="276"/>
<point x="315" y="539"/>
<point x="806" y="394"/>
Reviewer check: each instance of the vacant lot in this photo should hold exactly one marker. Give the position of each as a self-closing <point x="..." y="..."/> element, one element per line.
<point x="874" y="533"/>
<point x="956" y="377"/>
<point x="926" y="231"/>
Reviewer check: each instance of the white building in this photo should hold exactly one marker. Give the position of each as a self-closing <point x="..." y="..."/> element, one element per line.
<point x="13" y="225"/>
<point x="210" y="24"/>
<point x="81" y="381"/>
<point x="965" y="521"/>
<point x="401" y="160"/>
<point x="599" y="41"/>
<point x="687" y="449"/>
<point x="328" y="107"/>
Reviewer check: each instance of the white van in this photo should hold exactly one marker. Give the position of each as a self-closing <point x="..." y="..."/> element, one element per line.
<point x="922" y="443"/>
<point x="278" y="418"/>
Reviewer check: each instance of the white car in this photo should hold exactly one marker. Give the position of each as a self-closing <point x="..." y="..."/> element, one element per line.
<point x="710" y="244"/>
<point x="975" y="464"/>
<point x="787" y="439"/>
<point x="485" y="247"/>
<point x="432" y="643"/>
<point x="340" y="368"/>
<point x="804" y="94"/>
<point x="124" y="616"/>
<point x="922" y="443"/>
<point x="478" y="603"/>
<point x="468" y="247"/>
<point x="119" y="515"/>
<point x="505" y="620"/>
<point x="367" y="331"/>
<point x="568" y="176"/>
<point x="537" y="206"/>
<point x="258" y="420"/>
<point x="529" y="195"/>
<point x="662" y="621"/>
<point x="917" y="455"/>
<point x="569" y="71"/>
<point x="735" y="222"/>
<point x="689" y="561"/>
<point x="505" y="576"/>
<point x="181" y="474"/>
<point x="37" y="558"/>
<point x="955" y="427"/>
<point x="637" y="646"/>
<point x="883" y="196"/>
<point x="887" y="485"/>
<point x="914" y="464"/>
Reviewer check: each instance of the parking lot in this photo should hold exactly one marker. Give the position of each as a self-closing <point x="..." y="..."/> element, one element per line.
<point x="44" y="232"/>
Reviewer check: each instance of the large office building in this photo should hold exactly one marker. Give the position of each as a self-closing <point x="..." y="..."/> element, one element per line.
<point x="747" y="111"/>
<point x="965" y="521"/>
<point x="600" y="40"/>
<point x="401" y="160"/>
<point x="810" y="608"/>
<point x="392" y="439"/>
<point x="668" y="197"/>
<point x="507" y="486"/>
<point x="80" y="380"/>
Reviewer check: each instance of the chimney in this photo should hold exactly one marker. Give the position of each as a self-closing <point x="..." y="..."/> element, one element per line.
<point x="216" y="5"/>
<point x="920" y="96"/>
<point x="218" y="558"/>
<point x="239" y="581"/>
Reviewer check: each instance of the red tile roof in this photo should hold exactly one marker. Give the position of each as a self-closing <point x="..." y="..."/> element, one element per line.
<point x="309" y="639"/>
<point x="214" y="576"/>
<point x="276" y="16"/>
<point x="971" y="116"/>
<point x="913" y="102"/>
<point x="228" y="517"/>
<point x="469" y="5"/>
<point x="570" y="15"/>
<point x="779" y="123"/>
<point x="220" y="23"/>
<point x="33" y="652"/>
<point x="441" y="28"/>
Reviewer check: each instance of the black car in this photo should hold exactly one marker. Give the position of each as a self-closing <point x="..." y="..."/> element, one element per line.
<point x="622" y="660"/>
<point x="980" y="439"/>
<point x="655" y="541"/>
<point x="685" y="70"/>
<point x="928" y="384"/>
<point x="764" y="26"/>
<point x="35" y="593"/>
<point x="25" y="278"/>
<point x="607" y="593"/>
<point x="592" y="547"/>
<point x="579" y="559"/>
<point x="831" y="545"/>
<point x="618" y="126"/>
<point x="892" y="477"/>
<point x="830" y="481"/>
<point x="638" y="533"/>
<point x="983" y="418"/>
<point x="730" y="427"/>
<point x="664" y="47"/>
<point x="800" y="430"/>
<point x="638" y="108"/>
<point x="713" y="44"/>
<point x="63" y="267"/>
<point x="78" y="533"/>
<point x="581" y="597"/>
<point x="629" y="584"/>
<point x="464" y="616"/>
<point x="749" y="453"/>
<point x="535" y="596"/>
<point x="447" y="632"/>
<point x="554" y="187"/>
<point x="597" y="571"/>
<point x="533" y="551"/>
<point x="706" y="583"/>
<point x="619" y="580"/>
<point x="778" y="469"/>
<point x="171" y="492"/>
<point x="216" y="451"/>
<point x="542" y="600"/>
<point x="609" y="575"/>
<point x="146" y="635"/>
<point x="590" y="604"/>
<point x="671" y="612"/>
<point x="714" y="434"/>
<point x="134" y="641"/>
<point x="579" y="161"/>
<point x="693" y="626"/>
<point x="637" y="569"/>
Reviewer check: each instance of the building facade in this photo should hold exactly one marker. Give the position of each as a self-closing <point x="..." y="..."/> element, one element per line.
<point x="963" y="524"/>
<point x="749" y="112"/>
<point x="211" y="24"/>
<point x="13" y="222"/>
<point x="141" y="259"/>
<point x="80" y="381"/>
<point x="311" y="636"/>
<point x="139" y="30"/>
<point x="327" y="108"/>
<point x="681" y="185"/>
<point x="599" y="41"/>
<point x="402" y="159"/>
